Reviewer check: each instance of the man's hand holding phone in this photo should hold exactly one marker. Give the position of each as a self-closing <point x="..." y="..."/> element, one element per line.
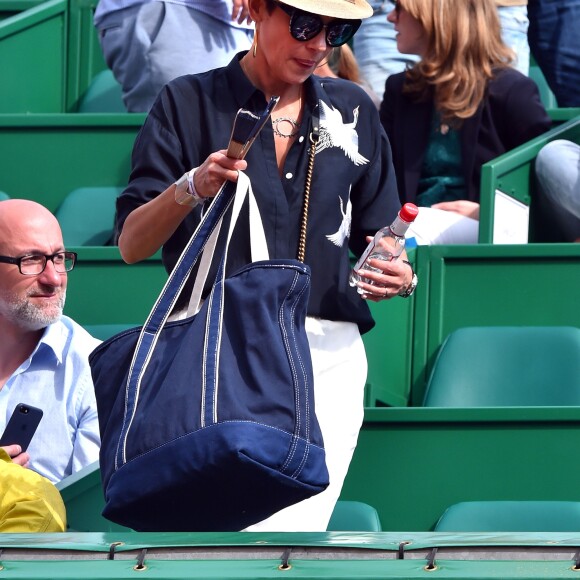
<point x="17" y="455"/>
<point x="19" y="431"/>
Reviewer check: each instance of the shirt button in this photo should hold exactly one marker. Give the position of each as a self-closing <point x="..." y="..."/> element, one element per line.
<point x="289" y="176"/>
<point x="301" y="138"/>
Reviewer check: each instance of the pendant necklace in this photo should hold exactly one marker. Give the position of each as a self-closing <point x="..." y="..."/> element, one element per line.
<point x="281" y="125"/>
<point x="440" y="125"/>
<point x="285" y="127"/>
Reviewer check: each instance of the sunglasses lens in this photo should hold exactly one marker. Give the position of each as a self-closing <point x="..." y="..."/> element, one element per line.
<point x="304" y="26"/>
<point x="340" y="33"/>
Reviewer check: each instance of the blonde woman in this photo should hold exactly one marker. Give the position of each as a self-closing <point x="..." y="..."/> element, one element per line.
<point x="460" y="106"/>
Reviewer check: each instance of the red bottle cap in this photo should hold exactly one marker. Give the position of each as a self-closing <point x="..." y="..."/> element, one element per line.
<point x="409" y="212"/>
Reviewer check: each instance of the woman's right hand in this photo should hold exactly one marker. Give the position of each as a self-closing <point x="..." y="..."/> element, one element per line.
<point x="217" y="168"/>
<point x="150" y="225"/>
<point x="241" y="12"/>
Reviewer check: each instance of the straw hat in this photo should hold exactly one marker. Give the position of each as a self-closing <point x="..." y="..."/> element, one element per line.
<point x="346" y="9"/>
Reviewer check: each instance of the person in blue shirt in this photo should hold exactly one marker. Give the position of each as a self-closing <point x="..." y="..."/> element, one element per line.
<point x="43" y="354"/>
<point x="147" y="43"/>
<point x="353" y="194"/>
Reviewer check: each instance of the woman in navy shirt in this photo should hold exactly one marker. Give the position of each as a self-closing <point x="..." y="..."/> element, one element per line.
<point x="353" y="194"/>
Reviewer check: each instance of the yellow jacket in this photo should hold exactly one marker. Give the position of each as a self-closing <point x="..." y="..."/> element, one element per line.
<point x="28" y="501"/>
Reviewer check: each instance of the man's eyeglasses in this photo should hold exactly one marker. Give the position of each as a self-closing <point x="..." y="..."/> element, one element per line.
<point x="305" y="26"/>
<point x="34" y="264"/>
<point x="397" y="7"/>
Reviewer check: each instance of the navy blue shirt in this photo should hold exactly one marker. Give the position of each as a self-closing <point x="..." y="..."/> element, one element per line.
<point x="353" y="191"/>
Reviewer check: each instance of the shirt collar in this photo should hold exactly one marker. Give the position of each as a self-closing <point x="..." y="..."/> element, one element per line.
<point x="240" y="86"/>
<point x="52" y="341"/>
<point x="246" y="92"/>
<point x="248" y="96"/>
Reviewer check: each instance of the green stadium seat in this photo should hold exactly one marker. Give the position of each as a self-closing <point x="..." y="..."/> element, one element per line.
<point x="3" y="196"/>
<point x="507" y="366"/>
<point x="354" y="516"/>
<point x="104" y="95"/>
<point x="511" y="516"/>
<point x="87" y="216"/>
<point x="546" y="95"/>
<point x="82" y="493"/>
<point x="105" y="331"/>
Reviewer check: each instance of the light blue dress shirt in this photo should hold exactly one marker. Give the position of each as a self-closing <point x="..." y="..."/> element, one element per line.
<point x="57" y="379"/>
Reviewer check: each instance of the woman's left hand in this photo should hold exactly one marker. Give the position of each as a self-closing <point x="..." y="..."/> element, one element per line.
<point x="394" y="277"/>
<point x="464" y="207"/>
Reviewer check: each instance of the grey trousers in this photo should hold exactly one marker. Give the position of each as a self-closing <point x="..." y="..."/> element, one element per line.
<point x="149" y="44"/>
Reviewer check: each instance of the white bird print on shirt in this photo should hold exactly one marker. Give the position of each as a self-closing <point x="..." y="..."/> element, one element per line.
<point x="335" y="133"/>
<point x="344" y="230"/>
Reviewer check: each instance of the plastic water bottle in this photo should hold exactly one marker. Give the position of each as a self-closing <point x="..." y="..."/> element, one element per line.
<point x="388" y="244"/>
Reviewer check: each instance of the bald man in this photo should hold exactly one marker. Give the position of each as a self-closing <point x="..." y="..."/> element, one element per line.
<point x="43" y="354"/>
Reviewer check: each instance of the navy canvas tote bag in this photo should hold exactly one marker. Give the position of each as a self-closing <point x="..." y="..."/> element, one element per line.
<point x="208" y="423"/>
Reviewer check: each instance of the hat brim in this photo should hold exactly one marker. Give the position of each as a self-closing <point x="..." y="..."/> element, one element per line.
<point x="345" y="9"/>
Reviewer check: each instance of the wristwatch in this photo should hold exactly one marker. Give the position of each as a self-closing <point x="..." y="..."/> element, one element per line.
<point x="408" y="291"/>
<point x="185" y="193"/>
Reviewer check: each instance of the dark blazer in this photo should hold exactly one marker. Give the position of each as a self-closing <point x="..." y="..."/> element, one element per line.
<point x="510" y="114"/>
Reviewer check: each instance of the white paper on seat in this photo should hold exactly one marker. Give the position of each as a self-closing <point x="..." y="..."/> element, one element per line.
<point x="511" y="220"/>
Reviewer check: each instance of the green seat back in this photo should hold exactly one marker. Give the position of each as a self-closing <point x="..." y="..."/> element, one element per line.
<point x="546" y="95"/>
<point x="3" y="196"/>
<point x="507" y="366"/>
<point x="354" y="516"/>
<point x="511" y="516"/>
<point x="82" y="493"/>
<point x="87" y="216"/>
<point x="104" y="95"/>
<point x="105" y="331"/>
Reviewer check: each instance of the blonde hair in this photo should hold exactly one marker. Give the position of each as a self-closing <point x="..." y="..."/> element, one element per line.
<point x="464" y="50"/>
<point x="343" y="64"/>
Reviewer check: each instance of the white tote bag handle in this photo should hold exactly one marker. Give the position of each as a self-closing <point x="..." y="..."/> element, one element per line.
<point x="258" y="244"/>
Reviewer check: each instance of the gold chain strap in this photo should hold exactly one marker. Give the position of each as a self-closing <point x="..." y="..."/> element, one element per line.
<point x="304" y="221"/>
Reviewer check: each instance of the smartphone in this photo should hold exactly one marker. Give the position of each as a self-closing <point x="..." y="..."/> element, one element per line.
<point x="21" y="426"/>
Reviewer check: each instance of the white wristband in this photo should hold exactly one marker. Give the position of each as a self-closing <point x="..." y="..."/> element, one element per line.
<point x="185" y="192"/>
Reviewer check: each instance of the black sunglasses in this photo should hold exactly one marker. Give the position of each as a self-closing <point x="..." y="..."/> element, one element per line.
<point x="305" y="26"/>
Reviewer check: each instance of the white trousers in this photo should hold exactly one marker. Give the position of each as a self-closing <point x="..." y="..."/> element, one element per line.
<point x="340" y="370"/>
<point x="436" y="226"/>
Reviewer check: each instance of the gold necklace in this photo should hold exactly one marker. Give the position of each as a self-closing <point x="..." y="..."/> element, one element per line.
<point x="293" y="124"/>
<point x="278" y="124"/>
